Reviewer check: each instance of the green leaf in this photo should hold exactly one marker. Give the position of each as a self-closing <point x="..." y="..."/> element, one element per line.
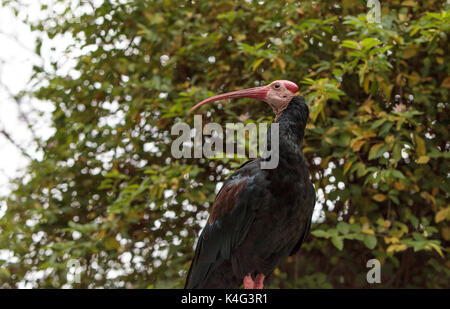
<point x="338" y="242"/>
<point x="111" y="243"/>
<point x="343" y="227"/>
<point x="355" y="228"/>
<point x="370" y="241"/>
<point x="377" y="150"/>
<point x="320" y="233"/>
<point x="442" y="214"/>
<point x="398" y="174"/>
<point x="351" y="44"/>
<point x="368" y="43"/>
<point x="397" y="152"/>
<point x="257" y="63"/>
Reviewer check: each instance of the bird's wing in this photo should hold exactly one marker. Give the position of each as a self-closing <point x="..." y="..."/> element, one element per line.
<point x="311" y="197"/>
<point x="302" y="238"/>
<point x="231" y="216"/>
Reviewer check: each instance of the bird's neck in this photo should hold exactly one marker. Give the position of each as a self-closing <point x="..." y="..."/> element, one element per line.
<point x="293" y="120"/>
<point x="292" y="123"/>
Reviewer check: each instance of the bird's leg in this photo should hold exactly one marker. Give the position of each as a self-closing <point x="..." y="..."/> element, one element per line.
<point x="248" y="282"/>
<point x="257" y="284"/>
<point x="259" y="281"/>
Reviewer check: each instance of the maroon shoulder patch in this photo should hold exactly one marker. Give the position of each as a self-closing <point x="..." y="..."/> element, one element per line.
<point x="226" y="199"/>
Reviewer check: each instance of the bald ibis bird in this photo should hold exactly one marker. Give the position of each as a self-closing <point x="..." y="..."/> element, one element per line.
<point x="260" y="216"/>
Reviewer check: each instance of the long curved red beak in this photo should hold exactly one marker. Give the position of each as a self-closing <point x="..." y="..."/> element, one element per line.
<point x="256" y="93"/>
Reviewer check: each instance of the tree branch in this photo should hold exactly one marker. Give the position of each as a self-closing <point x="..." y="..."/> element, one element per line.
<point x="12" y="141"/>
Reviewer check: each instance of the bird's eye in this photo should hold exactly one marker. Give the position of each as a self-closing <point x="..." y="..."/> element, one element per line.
<point x="276" y="86"/>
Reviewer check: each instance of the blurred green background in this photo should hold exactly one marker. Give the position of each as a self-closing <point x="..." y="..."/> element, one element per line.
<point x="108" y="196"/>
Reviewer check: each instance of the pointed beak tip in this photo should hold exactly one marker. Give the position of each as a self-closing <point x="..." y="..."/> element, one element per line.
<point x="191" y="110"/>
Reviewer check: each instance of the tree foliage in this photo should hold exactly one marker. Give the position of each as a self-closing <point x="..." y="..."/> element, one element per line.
<point x="108" y="194"/>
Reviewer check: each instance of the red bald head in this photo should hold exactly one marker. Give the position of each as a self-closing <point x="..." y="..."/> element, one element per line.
<point x="290" y="85"/>
<point x="277" y="94"/>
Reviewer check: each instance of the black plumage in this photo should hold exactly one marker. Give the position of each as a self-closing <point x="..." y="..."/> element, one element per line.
<point x="260" y="216"/>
